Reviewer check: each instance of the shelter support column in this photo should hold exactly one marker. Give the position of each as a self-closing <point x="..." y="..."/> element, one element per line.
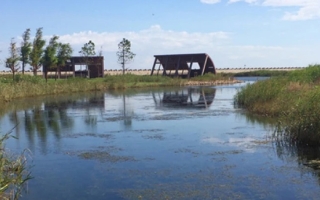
<point x="178" y="66"/>
<point x="154" y="65"/>
<point x="204" y="66"/>
<point x="73" y="68"/>
<point x="102" y="68"/>
<point x="190" y="68"/>
<point x="164" y="73"/>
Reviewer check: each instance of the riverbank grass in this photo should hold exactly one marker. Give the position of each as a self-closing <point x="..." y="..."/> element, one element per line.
<point x="13" y="172"/>
<point x="294" y="99"/>
<point x="29" y="86"/>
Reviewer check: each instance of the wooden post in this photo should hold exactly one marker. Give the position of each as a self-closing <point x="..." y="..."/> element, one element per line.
<point x="154" y="64"/>
<point x="164" y="73"/>
<point x="204" y="65"/>
<point x="73" y="67"/>
<point x="190" y="68"/>
<point x="178" y="66"/>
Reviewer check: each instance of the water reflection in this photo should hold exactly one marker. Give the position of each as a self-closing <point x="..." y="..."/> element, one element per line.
<point x="177" y="139"/>
<point x="52" y="117"/>
<point x="308" y="158"/>
<point x="185" y="98"/>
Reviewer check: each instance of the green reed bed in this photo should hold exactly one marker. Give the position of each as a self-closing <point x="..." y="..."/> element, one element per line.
<point x="29" y="86"/>
<point x="133" y="81"/>
<point x="294" y="99"/>
<point x="14" y="172"/>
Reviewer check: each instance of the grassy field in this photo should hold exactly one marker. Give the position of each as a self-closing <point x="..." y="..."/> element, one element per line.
<point x="29" y="86"/>
<point x="293" y="98"/>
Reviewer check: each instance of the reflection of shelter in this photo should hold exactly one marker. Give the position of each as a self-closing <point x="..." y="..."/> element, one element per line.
<point x="190" y="98"/>
<point x="182" y="65"/>
<point x="86" y="103"/>
<point x="93" y="67"/>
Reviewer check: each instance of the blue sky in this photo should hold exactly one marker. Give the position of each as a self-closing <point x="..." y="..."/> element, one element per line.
<point x="235" y="33"/>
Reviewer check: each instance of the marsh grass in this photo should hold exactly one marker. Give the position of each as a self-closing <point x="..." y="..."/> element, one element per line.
<point x="294" y="99"/>
<point x="14" y="172"/>
<point x="30" y="86"/>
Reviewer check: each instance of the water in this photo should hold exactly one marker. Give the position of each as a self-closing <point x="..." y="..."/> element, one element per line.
<point x="167" y="143"/>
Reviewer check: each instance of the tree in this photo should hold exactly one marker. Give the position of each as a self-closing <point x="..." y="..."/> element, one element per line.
<point x="49" y="59"/>
<point x="64" y="52"/>
<point x="124" y="54"/>
<point x="88" y="50"/>
<point x="25" y="49"/>
<point x="12" y="62"/>
<point x="37" y="51"/>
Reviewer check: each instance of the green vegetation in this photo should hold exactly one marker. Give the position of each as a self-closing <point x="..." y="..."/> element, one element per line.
<point x="13" y="59"/>
<point x="25" y="49"/>
<point x="124" y="54"/>
<point x="87" y="51"/>
<point x="35" y="55"/>
<point x="293" y="98"/>
<point x="13" y="172"/>
<point x="29" y="86"/>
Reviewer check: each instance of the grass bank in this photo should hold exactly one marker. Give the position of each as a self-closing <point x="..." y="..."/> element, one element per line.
<point x="293" y="98"/>
<point x="30" y="86"/>
<point x="13" y="172"/>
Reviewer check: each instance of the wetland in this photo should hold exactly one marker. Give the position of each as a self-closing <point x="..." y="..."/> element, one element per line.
<point x="188" y="142"/>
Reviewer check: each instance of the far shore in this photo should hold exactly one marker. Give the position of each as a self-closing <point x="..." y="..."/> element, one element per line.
<point x="148" y="71"/>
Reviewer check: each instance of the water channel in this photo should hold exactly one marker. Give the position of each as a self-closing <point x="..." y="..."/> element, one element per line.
<point x="164" y="143"/>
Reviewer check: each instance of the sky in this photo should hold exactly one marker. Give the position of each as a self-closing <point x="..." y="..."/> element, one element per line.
<point x="234" y="33"/>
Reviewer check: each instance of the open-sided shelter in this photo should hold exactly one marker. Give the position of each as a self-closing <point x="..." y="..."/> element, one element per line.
<point x="183" y="65"/>
<point x="95" y="67"/>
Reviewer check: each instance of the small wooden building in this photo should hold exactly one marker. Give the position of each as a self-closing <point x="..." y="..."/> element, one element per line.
<point x="93" y="67"/>
<point x="183" y="65"/>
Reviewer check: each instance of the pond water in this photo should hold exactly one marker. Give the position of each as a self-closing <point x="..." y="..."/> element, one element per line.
<point x="165" y="143"/>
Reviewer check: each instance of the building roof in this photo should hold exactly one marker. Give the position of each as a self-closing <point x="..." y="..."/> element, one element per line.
<point x="183" y="61"/>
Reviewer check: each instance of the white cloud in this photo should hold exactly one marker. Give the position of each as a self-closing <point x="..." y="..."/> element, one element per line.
<point x="210" y="1"/>
<point x="306" y="9"/>
<point x="219" y="45"/>
<point x="288" y="2"/>
<point x="147" y="43"/>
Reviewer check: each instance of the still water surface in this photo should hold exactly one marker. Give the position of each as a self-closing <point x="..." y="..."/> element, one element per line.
<point x="170" y="143"/>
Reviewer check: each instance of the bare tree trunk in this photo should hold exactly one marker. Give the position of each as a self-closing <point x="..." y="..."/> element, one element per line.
<point x="23" y="64"/>
<point x="59" y="72"/>
<point x="35" y="71"/>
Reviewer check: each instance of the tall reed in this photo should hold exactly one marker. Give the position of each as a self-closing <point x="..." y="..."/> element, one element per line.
<point x="14" y="172"/>
<point x="29" y="86"/>
<point x="294" y="99"/>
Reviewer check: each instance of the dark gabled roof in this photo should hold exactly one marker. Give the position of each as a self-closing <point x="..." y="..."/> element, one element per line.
<point x="170" y="62"/>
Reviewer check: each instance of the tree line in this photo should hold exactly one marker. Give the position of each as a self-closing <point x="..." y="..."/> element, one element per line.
<point x="55" y="55"/>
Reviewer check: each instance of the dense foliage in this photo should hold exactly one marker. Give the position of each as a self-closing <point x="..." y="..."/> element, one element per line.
<point x="293" y="98"/>
<point x="29" y="86"/>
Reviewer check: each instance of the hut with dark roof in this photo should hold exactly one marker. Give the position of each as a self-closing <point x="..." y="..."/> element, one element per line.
<point x="183" y="65"/>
